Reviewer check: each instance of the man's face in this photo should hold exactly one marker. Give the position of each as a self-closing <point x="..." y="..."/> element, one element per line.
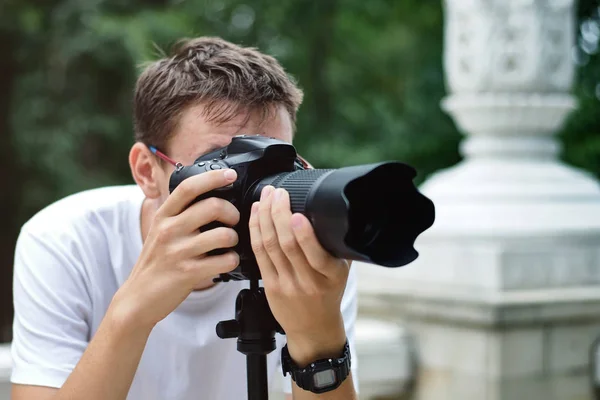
<point x="196" y="136"/>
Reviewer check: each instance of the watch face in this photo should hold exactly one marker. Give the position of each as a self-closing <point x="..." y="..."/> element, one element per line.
<point x="324" y="379"/>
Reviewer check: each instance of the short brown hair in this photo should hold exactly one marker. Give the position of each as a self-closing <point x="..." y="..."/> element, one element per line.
<point x="226" y="77"/>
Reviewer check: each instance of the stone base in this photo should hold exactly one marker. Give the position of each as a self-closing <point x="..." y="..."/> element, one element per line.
<point x="480" y="344"/>
<point x="444" y="385"/>
<point x="546" y="362"/>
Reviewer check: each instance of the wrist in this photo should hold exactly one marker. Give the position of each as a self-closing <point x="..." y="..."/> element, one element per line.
<point x="310" y="347"/>
<point x="125" y="315"/>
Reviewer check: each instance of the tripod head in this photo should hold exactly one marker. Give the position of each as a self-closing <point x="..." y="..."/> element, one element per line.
<point x="254" y="327"/>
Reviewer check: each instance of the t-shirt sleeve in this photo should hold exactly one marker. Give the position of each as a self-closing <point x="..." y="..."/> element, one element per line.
<point x="349" y="309"/>
<point x="52" y="309"/>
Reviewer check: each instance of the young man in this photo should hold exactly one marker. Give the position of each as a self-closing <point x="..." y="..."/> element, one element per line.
<point x="113" y="287"/>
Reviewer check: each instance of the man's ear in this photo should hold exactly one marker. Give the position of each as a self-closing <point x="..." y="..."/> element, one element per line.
<point x="146" y="170"/>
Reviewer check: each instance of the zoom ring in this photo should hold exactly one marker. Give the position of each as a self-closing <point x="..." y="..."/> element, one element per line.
<point x="299" y="184"/>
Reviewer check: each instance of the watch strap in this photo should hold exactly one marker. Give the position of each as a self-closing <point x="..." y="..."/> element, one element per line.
<point x="304" y="377"/>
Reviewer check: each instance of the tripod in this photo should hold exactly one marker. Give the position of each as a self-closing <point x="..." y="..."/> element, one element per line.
<point x="255" y="328"/>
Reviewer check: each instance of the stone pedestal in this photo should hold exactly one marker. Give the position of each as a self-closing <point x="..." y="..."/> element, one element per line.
<point x="525" y="344"/>
<point x="386" y="363"/>
<point x="504" y="301"/>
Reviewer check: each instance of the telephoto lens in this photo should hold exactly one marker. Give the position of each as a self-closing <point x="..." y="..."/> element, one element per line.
<point x="366" y="212"/>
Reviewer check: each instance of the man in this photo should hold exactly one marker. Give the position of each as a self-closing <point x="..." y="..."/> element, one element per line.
<point x="113" y="287"/>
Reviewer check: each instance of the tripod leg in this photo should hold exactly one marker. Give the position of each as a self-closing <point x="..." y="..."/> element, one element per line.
<point x="258" y="385"/>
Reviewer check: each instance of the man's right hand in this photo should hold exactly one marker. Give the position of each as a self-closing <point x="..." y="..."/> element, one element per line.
<point x="173" y="261"/>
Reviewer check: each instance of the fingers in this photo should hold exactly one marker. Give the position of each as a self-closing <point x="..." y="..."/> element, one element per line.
<point x="193" y="187"/>
<point x="267" y="269"/>
<point x="316" y="256"/>
<point x="198" y="269"/>
<point x="286" y="245"/>
<point x="206" y="211"/>
<point x="270" y="241"/>
<point x="281" y="215"/>
<point x="202" y="243"/>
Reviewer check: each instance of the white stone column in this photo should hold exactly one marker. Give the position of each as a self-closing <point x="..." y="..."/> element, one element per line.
<point x="504" y="300"/>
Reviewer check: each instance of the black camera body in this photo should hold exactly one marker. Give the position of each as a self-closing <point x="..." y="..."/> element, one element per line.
<point x="371" y="213"/>
<point x="253" y="157"/>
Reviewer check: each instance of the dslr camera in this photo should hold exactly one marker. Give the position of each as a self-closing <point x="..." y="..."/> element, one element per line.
<point x="371" y="213"/>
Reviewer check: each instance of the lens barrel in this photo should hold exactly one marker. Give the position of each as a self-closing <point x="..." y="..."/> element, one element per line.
<point x="371" y="213"/>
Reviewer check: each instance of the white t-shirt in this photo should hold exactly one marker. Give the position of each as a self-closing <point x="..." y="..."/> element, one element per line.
<point x="70" y="260"/>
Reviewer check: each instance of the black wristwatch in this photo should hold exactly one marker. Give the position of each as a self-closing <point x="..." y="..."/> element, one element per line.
<point x="319" y="376"/>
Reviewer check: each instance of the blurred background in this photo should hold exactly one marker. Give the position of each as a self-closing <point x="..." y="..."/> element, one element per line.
<point x="372" y="72"/>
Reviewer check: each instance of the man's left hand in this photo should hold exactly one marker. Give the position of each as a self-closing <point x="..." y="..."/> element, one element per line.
<point x="303" y="283"/>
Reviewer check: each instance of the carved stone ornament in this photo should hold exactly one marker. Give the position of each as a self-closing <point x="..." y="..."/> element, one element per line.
<point x="515" y="46"/>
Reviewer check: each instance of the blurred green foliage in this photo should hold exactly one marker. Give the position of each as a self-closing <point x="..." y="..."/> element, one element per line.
<point x="371" y="72"/>
<point x="581" y="133"/>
